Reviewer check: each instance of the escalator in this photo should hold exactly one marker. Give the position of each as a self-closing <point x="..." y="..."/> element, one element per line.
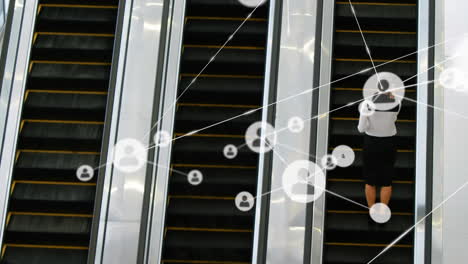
<point x="203" y="225"/>
<point x="389" y="27"/>
<point x="50" y="211"/>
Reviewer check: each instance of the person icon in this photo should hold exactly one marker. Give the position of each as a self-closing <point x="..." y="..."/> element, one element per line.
<point x="383" y="96"/>
<point x="303" y="178"/>
<point x="162" y="138"/>
<point x="195" y="177"/>
<point x="244" y="201"/>
<point x="260" y="139"/>
<point x="128" y="159"/>
<point x="230" y="151"/>
<point x="129" y="155"/>
<point x="295" y="124"/>
<point x="85" y="173"/>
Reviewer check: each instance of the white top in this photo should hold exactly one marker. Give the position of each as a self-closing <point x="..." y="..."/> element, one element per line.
<point x="380" y="123"/>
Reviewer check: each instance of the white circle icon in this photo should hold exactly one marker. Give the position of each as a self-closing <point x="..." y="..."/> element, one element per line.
<point x="344" y="156"/>
<point x="386" y="90"/>
<point x="367" y="108"/>
<point x="380" y="213"/>
<point x="295" y="124"/>
<point x="162" y="138"/>
<point x="452" y="78"/>
<point x="230" y="151"/>
<point x="244" y="201"/>
<point x="260" y="137"/>
<point x="195" y="177"/>
<point x="129" y="155"/>
<point x="303" y="181"/>
<point x="252" y="3"/>
<point x="85" y="173"/>
<point x="329" y="162"/>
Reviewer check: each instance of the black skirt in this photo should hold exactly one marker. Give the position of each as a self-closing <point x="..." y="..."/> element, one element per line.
<point x="379" y="154"/>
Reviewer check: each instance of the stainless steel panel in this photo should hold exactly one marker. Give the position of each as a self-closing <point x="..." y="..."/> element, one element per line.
<point x="421" y="130"/>
<point x="323" y="123"/>
<point x="161" y="171"/>
<point x="265" y="113"/>
<point x="100" y="243"/>
<point x="295" y="75"/>
<point x="438" y="167"/>
<point x="13" y="86"/>
<point x="123" y="192"/>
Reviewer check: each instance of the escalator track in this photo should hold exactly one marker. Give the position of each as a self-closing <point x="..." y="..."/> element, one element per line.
<point x="50" y="211"/>
<point x="203" y="224"/>
<point x="389" y="27"/>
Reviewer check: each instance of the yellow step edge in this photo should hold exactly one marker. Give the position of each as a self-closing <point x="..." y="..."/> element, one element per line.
<point x="200" y="197"/>
<point x="218" y="105"/>
<point x="178" y="165"/>
<point x="71" y="62"/>
<point x="59" y="151"/>
<point x="225" y="18"/>
<point x="18" y="152"/>
<point x="377" y="32"/>
<point x="225" y="47"/>
<point x="63" y="121"/>
<point x="193" y="229"/>
<point x="399" y="150"/>
<point x="357" y="119"/>
<point x="31" y="64"/>
<point x="66" y="92"/>
<point x="75" y="34"/>
<point x="222" y="76"/>
<point x="47" y="246"/>
<point x="80" y="6"/>
<point x="210" y="135"/>
<point x="364" y="212"/>
<point x="360" y="89"/>
<point x="375" y="60"/>
<point x="52" y="214"/>
<point x="202" y="261"/>
<point x="364" y="245"/>
<point x="358" y="180"/>
<point x="56" y="183"/>
<point x="376" y="4"/>
<point x="3" y="251"/>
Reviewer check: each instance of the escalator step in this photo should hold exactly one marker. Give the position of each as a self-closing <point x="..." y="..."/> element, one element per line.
<point x="58" y="76"/>
<point x="54" y="198"/>
<point x="234" y="246"/>
<point x="376" y="17"/>
<point x="190" y="118"/>
<point x="31" y="254"/>
<point x="350" y="222"/>
<point x="204" y="31"/>
<point x="354" y="254"/>
<point x="73" y="47"/>
<point x="48" y="229"/>
<point x="221" y="90"/>
<point x="76" y="19"/>
<point x="65" y="106"/>
<point x="224" y="8"/>
<point x="196" y="149"/>
<point x="61" y="136"/>
<point x="239" y="60"/>
<point x="354" y="191"/>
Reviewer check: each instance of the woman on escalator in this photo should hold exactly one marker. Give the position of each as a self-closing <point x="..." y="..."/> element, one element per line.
<point x="379" y="151"/>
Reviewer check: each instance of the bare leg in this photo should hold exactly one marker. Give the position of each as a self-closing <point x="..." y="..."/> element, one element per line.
<point x="385" y="194"/>
<point x="371" y="193"/>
